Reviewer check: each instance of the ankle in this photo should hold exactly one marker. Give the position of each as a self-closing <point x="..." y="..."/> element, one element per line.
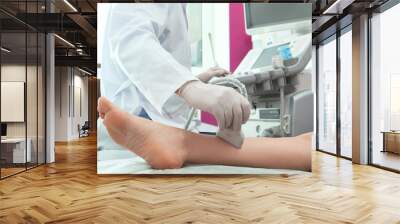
<point x="166" y="153"/>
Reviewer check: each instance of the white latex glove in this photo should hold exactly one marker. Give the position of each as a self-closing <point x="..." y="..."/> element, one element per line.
<point x="212" y="72"/>
<point x="229" y="107"/>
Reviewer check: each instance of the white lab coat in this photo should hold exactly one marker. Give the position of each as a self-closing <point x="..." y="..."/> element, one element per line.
<point x="146" y="58"/>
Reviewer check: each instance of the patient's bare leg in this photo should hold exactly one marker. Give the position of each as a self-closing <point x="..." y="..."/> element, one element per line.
<point x="166" y="147"/>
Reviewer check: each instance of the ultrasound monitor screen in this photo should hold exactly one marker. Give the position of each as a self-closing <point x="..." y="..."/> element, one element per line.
<point x="261" y="15"/>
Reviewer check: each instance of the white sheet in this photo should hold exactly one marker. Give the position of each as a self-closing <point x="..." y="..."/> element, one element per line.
<point x="126" y="162"/>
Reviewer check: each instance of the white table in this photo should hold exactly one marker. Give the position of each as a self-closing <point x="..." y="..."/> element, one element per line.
<point x="19" y="155"/>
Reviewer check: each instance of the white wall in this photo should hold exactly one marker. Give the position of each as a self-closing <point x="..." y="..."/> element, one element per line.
<point x="61" y="103"/>
<point x="220" y="30"/>
<point x="102" y="14"/>
<point x="67" y="115"/>
<point x="80" y="83"/>
<point x="215" y="20"/>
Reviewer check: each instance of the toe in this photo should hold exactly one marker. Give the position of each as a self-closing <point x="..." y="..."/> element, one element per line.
<point x="103" y="106"/>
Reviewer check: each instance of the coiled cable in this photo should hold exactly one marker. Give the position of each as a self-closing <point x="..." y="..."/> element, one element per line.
<point x="225" y="81"/>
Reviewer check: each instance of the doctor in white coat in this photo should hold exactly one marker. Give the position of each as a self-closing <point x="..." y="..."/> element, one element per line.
<point x="146" y="68"/>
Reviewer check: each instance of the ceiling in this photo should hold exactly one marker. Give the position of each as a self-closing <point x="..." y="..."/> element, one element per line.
<point x="76" y="25"/>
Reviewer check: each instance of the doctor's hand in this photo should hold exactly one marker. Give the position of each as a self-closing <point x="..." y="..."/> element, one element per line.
<point x="229" y="107"/>
<point x="212" y="72"/>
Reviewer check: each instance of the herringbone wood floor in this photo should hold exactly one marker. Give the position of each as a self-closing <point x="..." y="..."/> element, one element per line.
<point x="70" y="191"/>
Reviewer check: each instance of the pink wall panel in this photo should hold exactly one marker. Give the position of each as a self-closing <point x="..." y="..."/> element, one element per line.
<point x="240" y="42"/>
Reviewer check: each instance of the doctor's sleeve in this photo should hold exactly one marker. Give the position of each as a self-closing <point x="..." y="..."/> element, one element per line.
<point x="133" y="38"/>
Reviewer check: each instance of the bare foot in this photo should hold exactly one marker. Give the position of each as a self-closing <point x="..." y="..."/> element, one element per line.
<point x="143" y="137"/>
